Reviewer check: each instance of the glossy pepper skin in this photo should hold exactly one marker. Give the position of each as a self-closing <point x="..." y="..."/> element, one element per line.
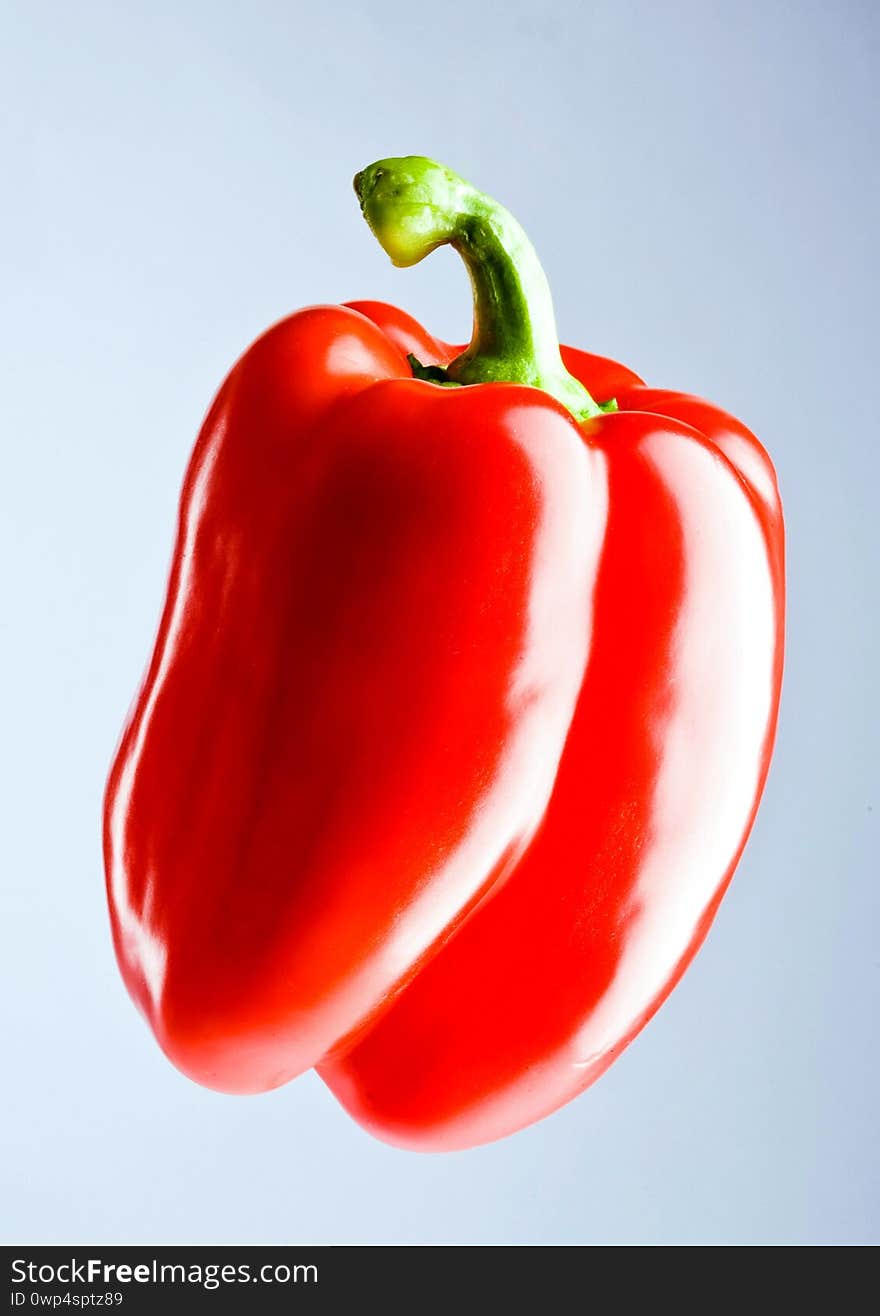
<point x="461" y="706"/>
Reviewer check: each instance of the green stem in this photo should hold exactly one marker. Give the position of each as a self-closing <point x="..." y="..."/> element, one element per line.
<point x="413" y="206"/>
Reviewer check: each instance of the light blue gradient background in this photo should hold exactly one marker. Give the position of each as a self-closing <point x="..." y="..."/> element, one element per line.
<point x="701" y="182"/>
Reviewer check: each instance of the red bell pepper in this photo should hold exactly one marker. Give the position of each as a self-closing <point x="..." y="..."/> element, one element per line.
<point x="461" y="705"/>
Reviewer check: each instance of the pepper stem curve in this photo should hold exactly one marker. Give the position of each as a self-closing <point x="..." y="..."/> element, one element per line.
<point x="414" y="205"/>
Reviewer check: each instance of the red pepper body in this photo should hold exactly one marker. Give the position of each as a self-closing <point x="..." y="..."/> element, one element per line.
<point x="657" y="788"/>
<point x="376" y="625"/>
<point x="461" y="705"/>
